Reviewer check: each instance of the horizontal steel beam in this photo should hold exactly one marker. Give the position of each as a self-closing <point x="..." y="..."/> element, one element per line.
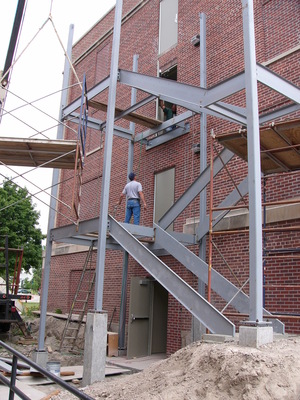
<point x="176" y="120"/>
<point x="190" y="97"/>
<point x="97" y="125"/>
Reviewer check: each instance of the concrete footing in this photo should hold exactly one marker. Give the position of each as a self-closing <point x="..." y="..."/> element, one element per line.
<point x="255" y="336"/>
<point x="40" y="357"/>
<point x="95" y="348"/>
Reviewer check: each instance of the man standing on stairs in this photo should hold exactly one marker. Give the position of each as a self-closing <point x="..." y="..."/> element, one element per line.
<point x="134" y="193"/>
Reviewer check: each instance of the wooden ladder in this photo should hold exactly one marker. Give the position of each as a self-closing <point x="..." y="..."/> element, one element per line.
<point x="80" y="302"/>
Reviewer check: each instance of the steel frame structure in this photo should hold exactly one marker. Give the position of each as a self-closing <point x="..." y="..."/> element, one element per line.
<point x="200" y="100"/>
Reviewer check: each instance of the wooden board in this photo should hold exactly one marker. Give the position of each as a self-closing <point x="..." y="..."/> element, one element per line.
<point x="38" y="152"/>
<point x="280" y="146"/>
<point x="133" y="117"/>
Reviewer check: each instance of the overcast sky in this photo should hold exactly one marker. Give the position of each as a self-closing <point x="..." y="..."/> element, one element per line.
<point x="38" y="73"/>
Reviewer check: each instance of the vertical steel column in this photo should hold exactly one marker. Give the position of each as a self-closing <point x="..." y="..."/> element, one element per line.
<point x="54" y="191"/>
<point x="132" y="124"/>
<point x="121" y="343"/>
<point x="203" y="141"/>
<point x="99" y="283"/>
<point x="198" y="328"/>
<point x="254" y="168"/>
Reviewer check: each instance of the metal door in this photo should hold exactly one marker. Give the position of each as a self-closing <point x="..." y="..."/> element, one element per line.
<point x="139" y="317"/>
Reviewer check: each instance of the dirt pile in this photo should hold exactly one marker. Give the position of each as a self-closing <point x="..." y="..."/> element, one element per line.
<point x="212" y="372"/>
<point x="53" y="334"/>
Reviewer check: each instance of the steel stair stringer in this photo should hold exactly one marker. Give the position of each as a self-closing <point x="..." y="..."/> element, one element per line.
<point x="227" y="290"/>
<point x="206" y="313"/>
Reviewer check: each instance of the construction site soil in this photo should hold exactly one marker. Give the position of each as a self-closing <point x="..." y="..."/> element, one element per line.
<point x="210" y="371"/>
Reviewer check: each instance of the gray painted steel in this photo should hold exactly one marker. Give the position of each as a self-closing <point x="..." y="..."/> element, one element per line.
<point x="230" y="200"/>
<point x="163" y="125"/>
<point x="66" y="111"/>
<point x="100" y="266"/>
<point x="227" y="290"/>
<point x="254" y="167"/>
<point x="54" y="193"/>
<point x="196" y="187"/>
<point x="185" y="294"/>
<point x="277" y="83"/>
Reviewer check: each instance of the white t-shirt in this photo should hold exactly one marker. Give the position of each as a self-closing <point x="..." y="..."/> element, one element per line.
<point x="132" y="190"/>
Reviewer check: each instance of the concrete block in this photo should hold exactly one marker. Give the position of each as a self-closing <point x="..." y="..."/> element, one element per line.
<point x="255" y="336"/>
<point x="40" y="357"/>
<point x="213" y="337"/>
<point x="94" y="348"/>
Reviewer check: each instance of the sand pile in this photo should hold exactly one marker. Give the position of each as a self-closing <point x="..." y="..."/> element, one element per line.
<point x="213" y="372"/>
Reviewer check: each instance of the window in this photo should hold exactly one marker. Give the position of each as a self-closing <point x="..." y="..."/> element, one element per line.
<point x="164" y="194"/>
<point x="168" y="30"/>
<point x="170" y="73"/>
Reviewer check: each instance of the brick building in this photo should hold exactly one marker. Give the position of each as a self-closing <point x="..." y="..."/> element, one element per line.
<point x="161" y="36"/>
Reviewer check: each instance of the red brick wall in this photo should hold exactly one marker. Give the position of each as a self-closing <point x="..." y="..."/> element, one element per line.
<point x="277" y="26"/>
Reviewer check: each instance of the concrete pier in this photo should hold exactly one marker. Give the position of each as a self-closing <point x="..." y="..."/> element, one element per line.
<point x="95" y="348"/>
<point x="255" y="336"/>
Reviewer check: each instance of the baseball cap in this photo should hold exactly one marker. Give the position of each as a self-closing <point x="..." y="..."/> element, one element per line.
<point x="131" y="176"/>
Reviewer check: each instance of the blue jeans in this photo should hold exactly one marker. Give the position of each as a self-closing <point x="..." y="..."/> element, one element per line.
<point x="133" y="208"/>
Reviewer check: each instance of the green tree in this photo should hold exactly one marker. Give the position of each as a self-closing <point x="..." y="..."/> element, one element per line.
<point x="19" y="221"/>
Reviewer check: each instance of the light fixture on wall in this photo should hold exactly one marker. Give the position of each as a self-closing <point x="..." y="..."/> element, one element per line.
<point x="195" y="40"/>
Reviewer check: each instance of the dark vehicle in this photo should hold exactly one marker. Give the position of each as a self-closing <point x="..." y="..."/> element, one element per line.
<point x="24" y="291"/>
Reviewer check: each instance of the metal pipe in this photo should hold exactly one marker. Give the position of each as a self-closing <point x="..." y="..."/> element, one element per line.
<point x="210" y="218"/>
<point x="49" y="375"/>
<point x="272" y="316"/>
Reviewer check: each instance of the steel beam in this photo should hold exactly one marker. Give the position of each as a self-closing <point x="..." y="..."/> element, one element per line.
<point x="186" y="295"/>
<point x="190" y="97"/>
<point x="176" y="120"/>
<point x="277" y="83"/>
<point x="132" y="108"/>
<point x="224" y="89"/>
<point x="96" y="124"/>
<point x="224" y="288"/>
<point x="254" y="165"/>
<point x="104" y="203"/>
<point x="197" y="186"/>
<point x="90" y="94"/>
<point x="53" y="203"/>
<point x="233" y="198"/>
<point x="279" y="113"/>
<point x="167" y="136"/>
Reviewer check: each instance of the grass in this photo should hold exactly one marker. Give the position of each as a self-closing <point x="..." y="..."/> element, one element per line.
<point x="28" y="308"/>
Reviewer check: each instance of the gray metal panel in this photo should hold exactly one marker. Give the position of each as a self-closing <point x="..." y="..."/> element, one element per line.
<point x="196" y="187"/>
<point x="185" y="294"/>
